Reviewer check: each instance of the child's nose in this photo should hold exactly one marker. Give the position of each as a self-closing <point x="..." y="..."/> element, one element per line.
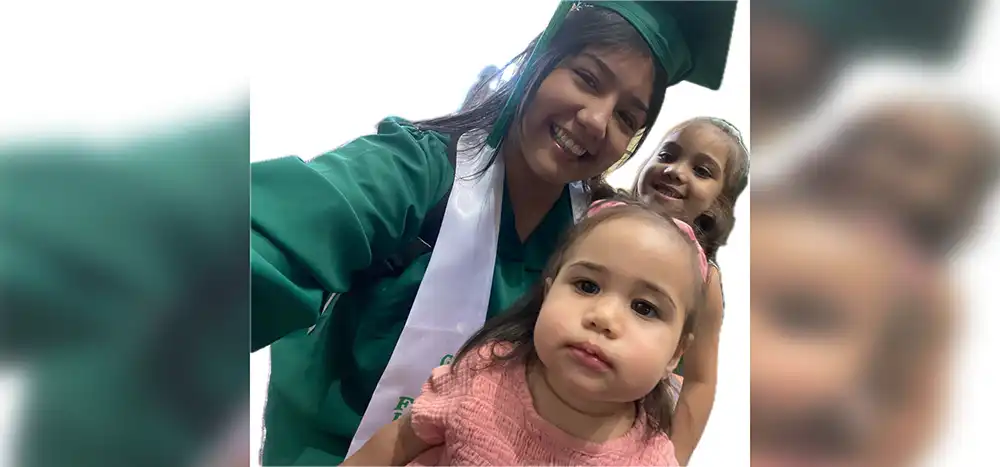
<point x="675" y="172"/>
<point x="602" y="318"/>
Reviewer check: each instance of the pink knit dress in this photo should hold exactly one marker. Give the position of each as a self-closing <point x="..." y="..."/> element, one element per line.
<point x="480" y="414"/>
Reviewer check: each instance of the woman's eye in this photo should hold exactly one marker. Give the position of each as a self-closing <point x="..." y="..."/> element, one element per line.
<point x="666" y="156"/>
<point x="703" y="172"/>
<point x="629" y="122"/>
<point x="644" y="309"/>
<point x="587" y="78"/>
<point x="587" y="287"/>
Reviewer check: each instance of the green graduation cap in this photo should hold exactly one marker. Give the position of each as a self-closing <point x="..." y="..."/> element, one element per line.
<point x="689" y="40"/>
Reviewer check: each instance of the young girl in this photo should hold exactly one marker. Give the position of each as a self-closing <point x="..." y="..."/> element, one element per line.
<point x="697" y="174"/>
<point x="574" y="373"/>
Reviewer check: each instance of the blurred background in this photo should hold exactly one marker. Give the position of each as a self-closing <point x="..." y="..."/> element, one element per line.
<point x="874" y="220"/>
<point x="124" y="141"/>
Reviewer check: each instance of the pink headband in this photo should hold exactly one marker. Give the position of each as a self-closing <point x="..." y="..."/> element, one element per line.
<point x="702" y="261"/>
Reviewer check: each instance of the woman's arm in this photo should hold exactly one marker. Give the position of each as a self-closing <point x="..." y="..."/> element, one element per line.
<point x="700" y="373"/>
<point x="314" y="224"/>
<point x="394" y="444"/>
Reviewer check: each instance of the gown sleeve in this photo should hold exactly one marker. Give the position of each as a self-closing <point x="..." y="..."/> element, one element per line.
<point x="314" y="224"/>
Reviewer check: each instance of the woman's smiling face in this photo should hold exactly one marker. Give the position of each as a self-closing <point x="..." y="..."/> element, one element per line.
<point x="584" y="114"/>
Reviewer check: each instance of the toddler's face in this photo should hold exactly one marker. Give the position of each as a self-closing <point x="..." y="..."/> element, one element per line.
<point x="611" y="322"/>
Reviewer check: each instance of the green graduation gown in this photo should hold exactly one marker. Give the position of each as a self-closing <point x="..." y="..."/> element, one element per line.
<point x="315" y="224"/>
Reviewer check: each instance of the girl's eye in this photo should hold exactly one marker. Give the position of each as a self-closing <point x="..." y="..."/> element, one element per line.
<point x="587" y="78"/>
<point x="644" y="309"/>
<point x="703" y="172"/>
<point x="587" y="287"/>
<point x="666" y="156"/>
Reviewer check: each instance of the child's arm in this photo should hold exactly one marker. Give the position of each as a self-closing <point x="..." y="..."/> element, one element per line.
<point x="394" y="444"/>
<point x="700" y="373"/>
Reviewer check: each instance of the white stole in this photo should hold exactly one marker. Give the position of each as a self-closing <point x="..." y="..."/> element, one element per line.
<point x="453" y="297"/>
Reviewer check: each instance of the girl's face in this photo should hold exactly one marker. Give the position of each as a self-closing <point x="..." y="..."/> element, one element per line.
<point x="688" y="173"/>
<point x="610" y="326"/>
<point x="584" y="114"/>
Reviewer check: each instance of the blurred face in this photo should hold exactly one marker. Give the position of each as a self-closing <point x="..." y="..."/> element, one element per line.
<point x="584" y="114"/>
<point x="922" y="161"/>
<point x="610" y="326"/>
<point x="837" y="337"/>
<point x="688" y="173"/>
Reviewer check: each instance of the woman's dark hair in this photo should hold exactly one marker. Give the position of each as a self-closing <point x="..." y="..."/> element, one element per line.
<point x="585" y="27"/>
<point x="714" y="225"/>
<point x="516" y="326"/>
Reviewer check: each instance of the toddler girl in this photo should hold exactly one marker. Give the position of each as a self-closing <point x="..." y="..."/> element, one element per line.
<point x="575" y="373"/>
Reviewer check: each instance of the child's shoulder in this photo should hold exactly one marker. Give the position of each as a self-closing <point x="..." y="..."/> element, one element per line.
<point x="658" y="450"/>
<point x="461" y="396"/>
<point x="651" y="448"/>
<point x="486" y="361"/>
<point x="489" y="354"/>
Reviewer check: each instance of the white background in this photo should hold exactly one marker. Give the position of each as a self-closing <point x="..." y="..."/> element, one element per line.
<point x="325" y="74"/>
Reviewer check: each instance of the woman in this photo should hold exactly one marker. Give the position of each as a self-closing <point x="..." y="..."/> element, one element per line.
<point x="341" y="270"/>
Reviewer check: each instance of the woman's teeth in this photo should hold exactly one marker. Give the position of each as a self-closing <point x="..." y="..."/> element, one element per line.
<point x="564" y="141"/>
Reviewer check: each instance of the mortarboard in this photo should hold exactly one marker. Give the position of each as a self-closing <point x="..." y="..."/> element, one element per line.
<point x="689" y="40"/>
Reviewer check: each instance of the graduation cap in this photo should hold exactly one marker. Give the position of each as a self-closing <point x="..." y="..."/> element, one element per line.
<point x="689" y="40"/>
